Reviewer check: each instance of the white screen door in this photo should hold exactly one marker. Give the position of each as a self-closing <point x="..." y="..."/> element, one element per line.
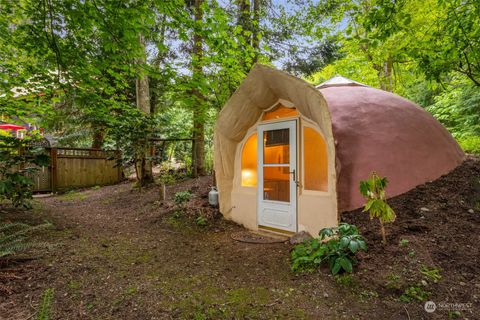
<point x="277" y="171"/>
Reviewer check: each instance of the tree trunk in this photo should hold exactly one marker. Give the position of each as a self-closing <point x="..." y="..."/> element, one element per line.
<point x="199" y="111"/>
<point x="382" y="230"/>
<point x="144" y="172"/>
<point x="244" y="14"/>
<point x="98" y="135"/>
<point x="389" y="74"/>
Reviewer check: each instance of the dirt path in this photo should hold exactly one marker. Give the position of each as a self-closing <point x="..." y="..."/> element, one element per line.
<point x="120" y="254"/>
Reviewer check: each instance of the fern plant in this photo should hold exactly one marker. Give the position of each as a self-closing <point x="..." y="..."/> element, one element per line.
<point x="13" y="237"/>
<point x="373" y="190"/>
<point x="44" y="311"/>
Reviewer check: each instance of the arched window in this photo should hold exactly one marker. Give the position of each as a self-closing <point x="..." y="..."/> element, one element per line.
<point x="315" y="161"/>
<point x="280" y="112"/>
<point x="249" y="162"/>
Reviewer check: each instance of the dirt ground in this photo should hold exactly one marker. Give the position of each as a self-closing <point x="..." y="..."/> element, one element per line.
<point x="121" y="254"/>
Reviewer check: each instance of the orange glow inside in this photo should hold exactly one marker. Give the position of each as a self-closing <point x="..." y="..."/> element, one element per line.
<point x="249" y="162"/>
<point x="280" y="112"/>
<point x="315" y="161"/>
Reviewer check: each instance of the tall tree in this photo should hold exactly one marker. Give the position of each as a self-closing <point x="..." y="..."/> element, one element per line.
<point x="144" y="163"/>
<point x="199" y="107"/>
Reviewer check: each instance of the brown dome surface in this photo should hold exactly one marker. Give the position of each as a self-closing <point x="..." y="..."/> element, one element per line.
<point x="375" y="130"/>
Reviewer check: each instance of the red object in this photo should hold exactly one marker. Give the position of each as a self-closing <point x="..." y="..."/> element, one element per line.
<point x="12" y="127"/>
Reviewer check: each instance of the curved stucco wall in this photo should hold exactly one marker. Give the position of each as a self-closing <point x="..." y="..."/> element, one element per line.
<point x="379" y="131"/>
<point x="263" y="88"/>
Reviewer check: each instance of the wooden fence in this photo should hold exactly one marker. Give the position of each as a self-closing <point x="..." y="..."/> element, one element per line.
<point x="77" y="168"/>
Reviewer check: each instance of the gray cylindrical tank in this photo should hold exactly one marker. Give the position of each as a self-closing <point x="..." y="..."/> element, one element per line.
<point x="213" y="197"/>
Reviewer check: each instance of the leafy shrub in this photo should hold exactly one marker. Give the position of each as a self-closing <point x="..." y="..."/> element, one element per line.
<point x="336" y="246"/>
<point x="458" y="108"/>
<point x="373" y="190"/>
<point x="13" y="237"/>
<point x="18" y="161"/>
<point x="201" y="221"/>
<point x="470" y="144"/>
<point x="182" y="197"/>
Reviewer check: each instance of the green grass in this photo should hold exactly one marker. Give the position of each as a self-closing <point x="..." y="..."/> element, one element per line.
<point x="73" y="196"/>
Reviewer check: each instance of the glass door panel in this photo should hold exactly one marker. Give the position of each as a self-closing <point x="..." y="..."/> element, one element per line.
<point x="276" y="183"/>
<point x="276" y="146"/>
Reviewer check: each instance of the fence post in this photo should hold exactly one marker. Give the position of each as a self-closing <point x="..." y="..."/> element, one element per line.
<point x="53" y="168"/>
<point x="118" y="157"/>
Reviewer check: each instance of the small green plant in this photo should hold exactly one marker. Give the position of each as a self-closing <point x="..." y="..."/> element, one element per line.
<point x="368" y="294"/>
<point x="13" y="237"/>
<point x="201" y="221"/>
<point x="181" y="198"/>
<point x="403" y="242"/>
<point x="373" y="190"/>
<point x="44" y="311"/>
<point x="431" y="274"/>
<point x="345" y="280"/>
<point x="454" y="314"/>
<point x="336" y="246"/>
<point x="411" y="253"/>
<point x="393" y="281"/>
<point x="415" y="293"/>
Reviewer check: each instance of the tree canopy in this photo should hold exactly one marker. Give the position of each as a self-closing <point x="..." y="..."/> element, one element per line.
<point x="111" y="74"/>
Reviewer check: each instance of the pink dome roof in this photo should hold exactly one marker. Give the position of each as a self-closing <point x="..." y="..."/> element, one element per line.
<point x="375" y="130"/>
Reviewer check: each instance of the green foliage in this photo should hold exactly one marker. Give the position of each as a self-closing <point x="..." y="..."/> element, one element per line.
<point x="393" y="281"/>
<point x="403" y="242"/>
<point x="373" y="190"/>
<point x="458" y="108"/>
<point x="19" y="159"/>
<point x="14" y="237"/>
<point x="336" y="246"/>
<point x="345" y="280"/>
<point x="470" y="144"/>
<point x="415" y="293"/>
<point x="432" y="274"/>
<point x="454" y="314"/>
<point x="201" y="221"/>
<point x="44" y="311"/>
<point x="181" y="199"/>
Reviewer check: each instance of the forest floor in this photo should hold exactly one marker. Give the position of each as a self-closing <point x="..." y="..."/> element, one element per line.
<point x="121" y="254"/>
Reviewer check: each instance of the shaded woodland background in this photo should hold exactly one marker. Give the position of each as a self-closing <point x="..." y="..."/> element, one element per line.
<point x="115" y="74"/>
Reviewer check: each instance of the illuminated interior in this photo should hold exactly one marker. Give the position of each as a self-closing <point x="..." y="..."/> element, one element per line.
<point x="249" y="162"/>
<point x="315" y="161"/>
<point x="276" y="184"/>
<point x="280" y="112"/>
<point x="276" y="150"/>
<point x="276" y="146"/>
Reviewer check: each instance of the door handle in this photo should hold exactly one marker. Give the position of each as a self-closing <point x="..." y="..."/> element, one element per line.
<point x="294" y="177"/>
